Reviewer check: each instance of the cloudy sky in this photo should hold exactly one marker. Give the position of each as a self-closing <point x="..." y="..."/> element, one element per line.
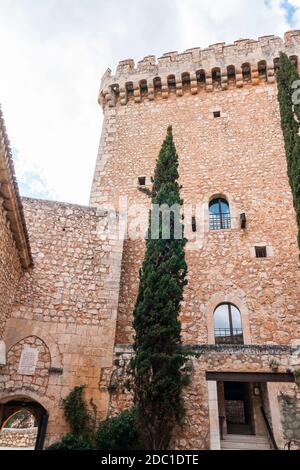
<point x="54" y="52"/>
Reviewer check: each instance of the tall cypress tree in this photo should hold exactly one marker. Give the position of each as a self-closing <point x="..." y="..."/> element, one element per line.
<point x="290" y="121"/>
<point x="159" y="354"/>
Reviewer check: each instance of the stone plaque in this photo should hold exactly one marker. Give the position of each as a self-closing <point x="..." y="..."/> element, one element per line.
<point x="28" y="361"/>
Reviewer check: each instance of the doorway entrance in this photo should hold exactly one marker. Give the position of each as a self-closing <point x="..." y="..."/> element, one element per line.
<point x="11" y="411"/>
<point x="238" y="408"/>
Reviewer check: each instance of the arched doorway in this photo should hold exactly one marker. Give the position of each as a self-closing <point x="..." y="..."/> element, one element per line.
<point x="24" y="406"/>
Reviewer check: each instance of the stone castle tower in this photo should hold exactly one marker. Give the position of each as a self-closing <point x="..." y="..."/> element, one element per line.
<point x="74" y="303"/>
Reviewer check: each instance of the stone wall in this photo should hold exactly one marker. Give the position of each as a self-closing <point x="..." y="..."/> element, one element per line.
<point x="10" y="269"/>
<point x="240" y="156"/>
<point x="66" y="307"/>
<point x="10" y="378"/>
<point x="18" y="438"/>
<point x="218" y="67"/>
<point x="228" y="136"/>
<point x="14" y="244"/>
<point x="290" y="408"/>
<point x="195" y="433"/>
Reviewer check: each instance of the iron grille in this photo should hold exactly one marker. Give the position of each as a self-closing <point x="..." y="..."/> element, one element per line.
<point x="229" y="336"/>
<point x="220" y="222"/>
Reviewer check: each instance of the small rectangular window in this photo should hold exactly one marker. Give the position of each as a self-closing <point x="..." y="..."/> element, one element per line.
<point x="217" y="114"/>
<point x="261" y="251"/>
<point x="142" y="180"/>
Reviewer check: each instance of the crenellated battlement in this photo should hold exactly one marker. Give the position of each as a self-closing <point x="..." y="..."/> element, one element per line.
<point x="218" y="67"/>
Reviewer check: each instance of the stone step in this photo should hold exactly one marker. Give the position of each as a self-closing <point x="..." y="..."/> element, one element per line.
<point x="242" y="442"/>
<point x="244" y="438"/>
<point x="244" y="446"/>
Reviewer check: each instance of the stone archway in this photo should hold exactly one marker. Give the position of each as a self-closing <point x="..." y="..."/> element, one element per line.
<point x="18" y="329"/>
<point x="10" y="406"/>
<point x="236" y="298"/>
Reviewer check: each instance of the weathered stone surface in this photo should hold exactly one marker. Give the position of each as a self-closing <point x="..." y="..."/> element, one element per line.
<point x="67" y="304"/>
<point x="10" y="269"/>
<point x="239" y="156"/>
<point x="18" y="438"/>
<point x="75" y="303"/>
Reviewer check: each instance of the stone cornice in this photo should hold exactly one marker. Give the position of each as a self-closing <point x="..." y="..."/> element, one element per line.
<point x="272" y="349"/>
<point x="10" y="197"/>
<point x="217" y="67"/>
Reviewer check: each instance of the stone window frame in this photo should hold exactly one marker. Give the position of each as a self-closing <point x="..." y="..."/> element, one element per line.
<point x="147" y="183"/>
<point x="233" y="299"/>
<point x="217" y="109"/>
<point x="234" y="212"/>
<point x="269" y="247"/>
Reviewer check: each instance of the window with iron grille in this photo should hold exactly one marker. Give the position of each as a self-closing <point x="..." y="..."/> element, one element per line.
<point x="228" y="325"/>
<point x="261" y="252"/>
<point x="219" y="215"/>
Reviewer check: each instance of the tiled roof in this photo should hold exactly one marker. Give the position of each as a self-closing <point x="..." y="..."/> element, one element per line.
<point x="12" y="203"/>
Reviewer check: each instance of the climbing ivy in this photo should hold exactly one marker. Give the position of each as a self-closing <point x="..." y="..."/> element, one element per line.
<point x="290" y="122"/>
<point x="116" y="433"/>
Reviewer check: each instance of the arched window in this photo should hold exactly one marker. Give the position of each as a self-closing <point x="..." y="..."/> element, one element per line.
<point x="246" y="71"/>
<point x="262" y="68"/>
<point x="219" y="214"/>
<point x="144" y="87"/>
<point x="186" y="81"/>
<point x="171" y="82"/>
<point x="276" y="64"/>
<point x="216" y="75"/>
<point x="201" y="77"/>
<point x="130" y="89"/>
<point x="228" y="325"/>
<point x="157" y="84"/>
<point x="294" y="60"/>
<point x="231" y="75"/>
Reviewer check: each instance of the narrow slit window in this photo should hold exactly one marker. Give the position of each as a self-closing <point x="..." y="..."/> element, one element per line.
<point x="194" y="224"/>
<point x="261" y="252"/>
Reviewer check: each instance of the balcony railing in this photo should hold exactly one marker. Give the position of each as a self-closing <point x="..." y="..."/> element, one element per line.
<point x="219" y="222"/>
<point x="229" y="336"/>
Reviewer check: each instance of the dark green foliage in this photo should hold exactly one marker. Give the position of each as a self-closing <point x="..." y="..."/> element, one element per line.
<point x="113" y="434"/>
<point x="159" y="354"/>
<point x="290" y="117"/>
<point x="76" y="411"/>
<point x="81" y="421"/>
<point x="74" y="442"/>
<point x="118" y="433"/>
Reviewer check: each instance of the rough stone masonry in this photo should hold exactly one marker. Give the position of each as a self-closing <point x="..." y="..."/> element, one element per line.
<point x="74" y="301"/>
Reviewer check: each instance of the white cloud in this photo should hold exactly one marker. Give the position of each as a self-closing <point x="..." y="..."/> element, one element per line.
<point x="205" y="22"/>
<point x="54" y="52"/>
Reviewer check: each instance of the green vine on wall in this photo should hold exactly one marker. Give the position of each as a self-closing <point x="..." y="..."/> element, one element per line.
<point x="117" y="433"/>
<point x="287" y="77"/>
